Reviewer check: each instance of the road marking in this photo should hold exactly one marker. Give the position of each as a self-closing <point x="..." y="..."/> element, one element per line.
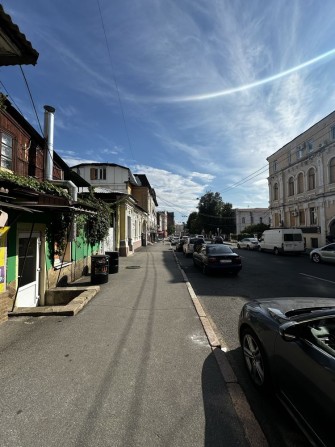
<point x="315" y="277"/>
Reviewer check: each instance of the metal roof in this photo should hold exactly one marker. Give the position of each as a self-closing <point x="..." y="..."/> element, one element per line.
<point x="15" y="49"/>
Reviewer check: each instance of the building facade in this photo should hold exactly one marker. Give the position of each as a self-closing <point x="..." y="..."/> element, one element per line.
<point x="302" y="183"/>
<point x="134" y="203"/>
<point x="250" y="216"/>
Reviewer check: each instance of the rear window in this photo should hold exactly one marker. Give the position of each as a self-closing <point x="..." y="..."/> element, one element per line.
<point x="219" y="249"/>
<point x="290" y="237"/>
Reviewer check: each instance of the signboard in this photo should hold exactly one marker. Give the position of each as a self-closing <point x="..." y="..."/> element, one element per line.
<point x="3" y="257"/>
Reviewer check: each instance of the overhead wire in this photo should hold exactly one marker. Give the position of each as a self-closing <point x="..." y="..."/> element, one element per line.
<point x="115" y="83"/>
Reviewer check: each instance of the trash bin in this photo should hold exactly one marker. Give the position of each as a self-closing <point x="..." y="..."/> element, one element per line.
<point x="99" y="269"/>
<point x="113" y="261"/>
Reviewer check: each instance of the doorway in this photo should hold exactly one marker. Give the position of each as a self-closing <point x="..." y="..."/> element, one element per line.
<point x="28" y="270"/>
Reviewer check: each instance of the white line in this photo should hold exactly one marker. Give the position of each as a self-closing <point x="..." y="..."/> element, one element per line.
<point x="315" y="277"/>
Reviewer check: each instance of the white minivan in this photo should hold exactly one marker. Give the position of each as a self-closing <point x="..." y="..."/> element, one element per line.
<point x="282" y="240"/>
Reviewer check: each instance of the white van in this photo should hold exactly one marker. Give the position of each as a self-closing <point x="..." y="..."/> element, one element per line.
<point x="282" y="240"/>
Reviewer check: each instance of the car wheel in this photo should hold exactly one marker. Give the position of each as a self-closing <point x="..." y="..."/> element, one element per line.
<point x="254" y="359"/>
<point x="238" y="246"/>
<point x="248" y="247"/>
<point x="316" y="258"/>
<point x="259" y="248"/>
<point x="276" y="251"/>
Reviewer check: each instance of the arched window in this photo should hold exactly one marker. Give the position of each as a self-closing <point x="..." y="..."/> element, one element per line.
<point x="291" y="186"/>
<point x="332" y="171"/>
<point x="300" y="183"/>
<point x="275" y="191"/>
<point x="311" y="179"/>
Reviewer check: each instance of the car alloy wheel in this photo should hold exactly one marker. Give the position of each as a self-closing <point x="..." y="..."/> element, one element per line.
<point x="316" y="258"/>
<point x="254" y="358"/>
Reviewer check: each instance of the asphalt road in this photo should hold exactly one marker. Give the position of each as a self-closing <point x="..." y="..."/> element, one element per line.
<point x="263" y="275"/>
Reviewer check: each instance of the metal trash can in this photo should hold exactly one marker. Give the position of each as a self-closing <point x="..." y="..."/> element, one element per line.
<point x="113" y="261"/>
<point x="99" y="269"/>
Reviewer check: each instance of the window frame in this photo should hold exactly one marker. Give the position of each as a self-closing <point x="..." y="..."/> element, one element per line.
<point x="6" y="157"/>
<point x="311" y="179"/>
<point x="291" y="187"/>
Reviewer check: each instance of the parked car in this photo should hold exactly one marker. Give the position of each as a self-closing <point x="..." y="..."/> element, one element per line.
<point x="191" y="242"/>
<point x="179" y="246"/>
<point x="250" y="243"/>
<point x="175" y="240"/>
<point x="217" y="258"/>
<point x="323" y="254"/>
<point x="288" y="345"/>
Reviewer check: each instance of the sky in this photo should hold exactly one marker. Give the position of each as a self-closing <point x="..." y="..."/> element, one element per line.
<point x="196" y="94"/>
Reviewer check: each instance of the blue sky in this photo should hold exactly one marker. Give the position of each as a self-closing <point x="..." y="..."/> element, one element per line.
<point x="196" y="94"/>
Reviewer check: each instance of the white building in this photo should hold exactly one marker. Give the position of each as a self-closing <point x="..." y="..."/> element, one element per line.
<point x="302" y="183"/>
<point x="250" y="216"/>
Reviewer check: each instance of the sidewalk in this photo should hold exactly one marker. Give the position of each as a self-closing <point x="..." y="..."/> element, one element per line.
<point x="133" y="368"/>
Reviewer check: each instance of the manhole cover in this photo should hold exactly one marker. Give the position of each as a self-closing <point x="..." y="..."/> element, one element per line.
<point x="133" y="267"/>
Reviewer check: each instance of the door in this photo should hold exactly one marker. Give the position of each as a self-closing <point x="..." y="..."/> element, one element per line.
<point x="29" y="270"/>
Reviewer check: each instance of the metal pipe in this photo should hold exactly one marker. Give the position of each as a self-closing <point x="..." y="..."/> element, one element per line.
<point x="49" y="120"/>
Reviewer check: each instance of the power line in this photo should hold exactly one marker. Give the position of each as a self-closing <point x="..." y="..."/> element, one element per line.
<point x="32" y="101"/>
<point x="115" y="83"/>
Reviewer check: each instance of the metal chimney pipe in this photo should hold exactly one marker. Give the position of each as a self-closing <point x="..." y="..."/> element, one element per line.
<point x="49" y="125"/>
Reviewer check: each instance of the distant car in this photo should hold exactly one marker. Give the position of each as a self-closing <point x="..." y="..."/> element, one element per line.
<point x="218" y="240"/>
<point x="179" y="246"/>
<point x="175" y="240"/>
<point x="288" y="345"/>
<point x="323" y="254"/>
<point x="217" y="258"/>
<point x="250" y="243"/>
<point x="189" y="245"/>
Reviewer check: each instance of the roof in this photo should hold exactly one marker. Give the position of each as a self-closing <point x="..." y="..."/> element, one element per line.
<point x="15" y="49"/>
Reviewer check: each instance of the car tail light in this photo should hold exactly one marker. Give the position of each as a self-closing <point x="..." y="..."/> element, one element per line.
<point x="237" y="260"/>
<point x="211" y="260"/>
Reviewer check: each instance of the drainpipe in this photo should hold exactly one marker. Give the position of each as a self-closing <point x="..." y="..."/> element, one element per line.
<point x="49" y="119"/>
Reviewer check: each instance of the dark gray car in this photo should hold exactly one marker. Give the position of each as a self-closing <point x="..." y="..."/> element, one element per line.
<point x="288" y="345"/>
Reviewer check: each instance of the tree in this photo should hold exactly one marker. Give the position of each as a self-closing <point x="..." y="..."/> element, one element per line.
<point x="256" y="229"/>
<point x="193" y="223"/>
<point x="214" y="214"/>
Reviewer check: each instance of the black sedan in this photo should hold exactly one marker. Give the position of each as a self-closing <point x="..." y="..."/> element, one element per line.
<point x="217" y="258"/>
<point x="288" y="345"/>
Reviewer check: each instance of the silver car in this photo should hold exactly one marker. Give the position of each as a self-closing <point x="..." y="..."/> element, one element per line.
<point x="323" y="254"/>
<point x="250" y="243"/>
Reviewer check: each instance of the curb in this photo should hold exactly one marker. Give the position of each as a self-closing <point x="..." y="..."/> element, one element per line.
<point x="252" y="429"/>
<point x="70" y="309"/>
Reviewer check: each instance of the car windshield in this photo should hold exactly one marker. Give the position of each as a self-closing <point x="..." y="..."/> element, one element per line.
<point x="218" y="249"/>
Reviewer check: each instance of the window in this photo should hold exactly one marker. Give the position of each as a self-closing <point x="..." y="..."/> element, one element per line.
<point x="312" y="216"/>
<point x="300" y="152"/>
<point x="261" y="220"/>
<point x="98" y="174"/>
<point x="243" y="220"/>
<point x="275" y="165"/>
<point x="311" y="179"/>
<point x="332" y="130"/>
<point x="6" y="151"/>
<point x="332" y="171"/>
<point x="310" y="146"/>
<point x="291" y="186"/>
<point x="275" y="191"/>
<point x="300" y="183"/>
<point x="289" y="158"/>
<point x="301" y="217"/>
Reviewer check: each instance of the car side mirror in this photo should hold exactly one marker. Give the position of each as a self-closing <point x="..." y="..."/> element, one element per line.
<point x="289" y="331"/>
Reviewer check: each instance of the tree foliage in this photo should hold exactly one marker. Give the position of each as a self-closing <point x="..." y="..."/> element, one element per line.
<point x="213" y="214"/>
